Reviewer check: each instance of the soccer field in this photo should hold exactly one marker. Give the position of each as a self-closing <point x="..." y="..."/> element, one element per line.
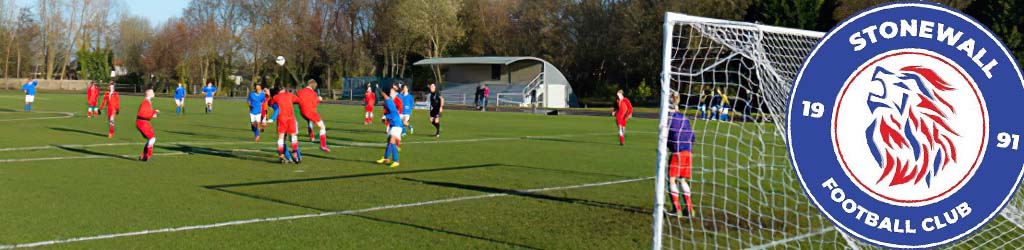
<point x="493" y="180"/>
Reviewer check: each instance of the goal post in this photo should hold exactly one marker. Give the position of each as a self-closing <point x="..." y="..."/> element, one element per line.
<point x="734" y="80"/>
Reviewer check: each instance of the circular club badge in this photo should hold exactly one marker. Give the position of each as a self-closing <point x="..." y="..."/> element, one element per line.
<point x="919" y="103"/>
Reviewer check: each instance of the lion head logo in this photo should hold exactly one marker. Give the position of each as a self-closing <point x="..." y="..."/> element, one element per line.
<point x="910" y="136"/>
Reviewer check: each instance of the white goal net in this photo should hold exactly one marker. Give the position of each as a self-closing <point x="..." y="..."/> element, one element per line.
<point x="734" y="80"/>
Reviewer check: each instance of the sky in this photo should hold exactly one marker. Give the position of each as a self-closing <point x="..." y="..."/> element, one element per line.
<point x="157" y="11"/>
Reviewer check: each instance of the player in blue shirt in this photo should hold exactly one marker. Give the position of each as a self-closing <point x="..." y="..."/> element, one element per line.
<point x="30" y="93"/>
<point x="255" y="100"/>
<point x="209" y="90"/>
<point x="408" y="102"/>
<point x="394" y="130"/>
<point x="179" y="98"/>
<point x="680" y="144"/>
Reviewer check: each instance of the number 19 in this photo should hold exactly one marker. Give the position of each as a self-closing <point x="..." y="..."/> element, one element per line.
<point x="814" y="109"/>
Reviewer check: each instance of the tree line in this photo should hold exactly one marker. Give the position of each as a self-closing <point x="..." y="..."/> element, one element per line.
<point x="600" y="45"/>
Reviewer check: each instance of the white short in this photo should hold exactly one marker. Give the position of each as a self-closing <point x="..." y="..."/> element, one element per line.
<point x="179" y="102"/>
<point x="255" y="118"/>
<point x="30" y="98"/>
<point x="209" y="100"/>
<point x="395" y="132"/>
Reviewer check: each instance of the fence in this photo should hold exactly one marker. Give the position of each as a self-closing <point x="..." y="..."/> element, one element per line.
<point x="60" y="85"/>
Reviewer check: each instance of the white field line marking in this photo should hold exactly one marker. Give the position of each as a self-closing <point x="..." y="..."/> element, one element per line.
<point x="313" y="215"/>
<point x="63" y="115"/>
<point x="794" y="238"/>
<point x="80" y="157"/>
<point x="357" y="144"/>
<point x="31" y="148"/>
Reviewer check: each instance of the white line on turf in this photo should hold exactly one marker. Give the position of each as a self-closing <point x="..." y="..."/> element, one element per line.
<point x="314" y="215"/>
<point x="794" y="238"/>
<point x="80" y="157"/>
<point x="63" y="115"/>
<point x="357" y="144"/>
<point x="39" y="148"/>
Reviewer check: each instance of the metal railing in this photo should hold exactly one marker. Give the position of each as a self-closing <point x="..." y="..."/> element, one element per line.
<point x="533" y="91"/>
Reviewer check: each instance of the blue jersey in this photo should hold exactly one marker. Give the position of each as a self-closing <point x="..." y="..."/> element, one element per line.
<point x="179" y="93"/>
<point x="256" y="102"/>
<point x="680" y="133"/>
<point x="209" y="90"/>
<point x="394" y="119"/>
<point x="277" y="111"/>
<point x="30" y="88"/>
<point x="407" y="103"/>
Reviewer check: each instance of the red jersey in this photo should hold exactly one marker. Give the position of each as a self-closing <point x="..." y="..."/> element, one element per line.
<point x="92" y="95"/>
<point x="308" y="100"/>
<point x="112" y="101"/>
<point x="266" y="104"/>
<point x="146" y="111"/>
<point x="624" y="109"/>
<point x="398" y="104"/>
<point x="370" y="99"/>
<point x="284" y="103"/>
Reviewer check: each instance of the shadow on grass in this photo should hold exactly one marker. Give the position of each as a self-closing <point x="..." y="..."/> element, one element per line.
<point x="549" y="139"/>
<point x="519" y="193"/>
<point x="200" y="135"/>
<point x="438" y="230"/>
<point x="258" y="197"/>
<point x="306" y="154"/>
<point x="348" y="176"/>
<point x="78" y="131"/>
<point x="569" y="171"/>
<point x="90" y="152"/>
<point x="215" y="152"/>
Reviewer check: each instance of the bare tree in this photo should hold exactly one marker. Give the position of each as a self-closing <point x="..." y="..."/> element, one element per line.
<point x="436" y="21"/>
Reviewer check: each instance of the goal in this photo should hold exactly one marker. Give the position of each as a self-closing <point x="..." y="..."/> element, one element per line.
<point x="734" y="80"/>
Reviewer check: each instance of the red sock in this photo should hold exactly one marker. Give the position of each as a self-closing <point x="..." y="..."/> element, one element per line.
<point x="149" y="152"/>
<point x="111" y="130"/>
<point x="622" y="139"/>
<point x="323" y="141"/>
<point x="398" y="144"/>
<point x="280" y="149"/>
<point x="88" y="113"/>
<point x="295" y="147"/>
<point x="689" y="203"/>
<point x="675" y="201"/>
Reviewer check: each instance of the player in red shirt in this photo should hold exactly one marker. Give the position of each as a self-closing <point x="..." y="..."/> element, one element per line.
<point x="92" y="99"/>
<point x="265" y="115"/>
<point x="146" y="113"/>
<point x="308" y="100"/>
<point x="623" y="111"/>
<point x="111" y="100"/>
<point x="369" y="99"/>
<point x="286" y="123"/>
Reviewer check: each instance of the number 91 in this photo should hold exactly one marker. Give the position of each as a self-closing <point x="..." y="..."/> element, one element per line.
<point x="1007" y="140"/>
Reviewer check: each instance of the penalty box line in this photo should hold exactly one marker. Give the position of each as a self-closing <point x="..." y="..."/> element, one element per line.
<point x="315" y="215"/>
<point x="63" y="115"/>
<point x="187" y="143"/>
<point x="353" y="144"/>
